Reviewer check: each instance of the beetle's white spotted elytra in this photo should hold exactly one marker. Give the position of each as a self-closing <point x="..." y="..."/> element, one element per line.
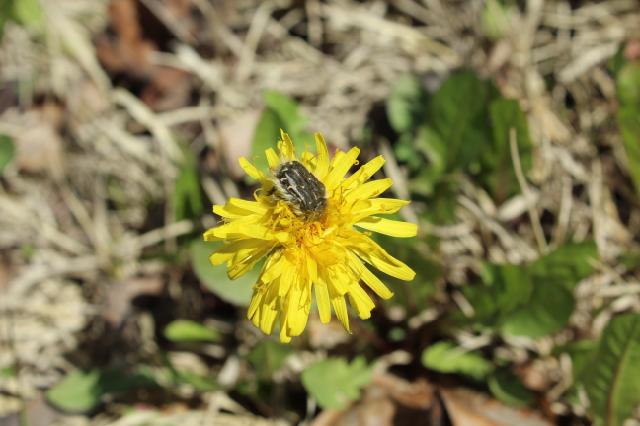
<point x="297" y="186"/>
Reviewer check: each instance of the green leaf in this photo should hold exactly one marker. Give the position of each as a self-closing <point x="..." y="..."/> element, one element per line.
<point x="406" y="104"/>
<point x="582" y="353"/>
<point x="265" y="136"/>
<point x="446" y="357"/>
<point x="236" y="292"/>
<point x="281" y="112"/>
<point x="397" y="334"/>
<point x="494" y="19"/>
<point x="442" y="198"/>
<point x="170" y="377"/>
<point x="546" y="312"/>
<point x="567" y="265"/>
<point x="617" y="61"/>
<point x="613" y="383"/>
<point x="532" y="300"/>
<point x="628" y="84"/>
<point x="7" y="151"/>
<point x="5" y="13"/>
<point x="506" y="114"/>
<point x="82" y="391"/>
<point x="505" y="288"/>
<point x="428" y="143"/>
<point x="190" y="331"/>
<point x="405" y="151"/>
<point x="78" y="392"/>
<point x="7" y="372"/>
<point x="458" y="112"/>
<point x="288" y="111"/>
<point x="628" y="118"/>
<point x="197" y="381"/>
<point x="334" y="383"/>
<point x="268" y="356"/>
<point x="630" y="259"/>
<point x="28" y="12"/>
<point x="508" y="389"/>
<point x="187" y="200"/>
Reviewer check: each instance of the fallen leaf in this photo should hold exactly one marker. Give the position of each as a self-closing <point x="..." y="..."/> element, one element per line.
<point x="466" y="407"/>
<point x="370" y="412"/>
<point x="418" y="394"/>
<point x="127" y="52"/>
<point x="169" y="89"/>
<point x="382" y="400"/>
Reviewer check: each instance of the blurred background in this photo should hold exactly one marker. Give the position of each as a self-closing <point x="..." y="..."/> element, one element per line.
<point x="514" y="126"/>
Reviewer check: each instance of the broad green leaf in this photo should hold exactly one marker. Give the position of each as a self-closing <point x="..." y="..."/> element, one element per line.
<point x="498" y="162"/>
<point x="567" y="265"/>
<point x="628" y="117"/>
<point x="406" y="104"/>
<point x="613" y="382"/>
<point x="513" y="285"/>
<point x="505" y="288"/>
<point x="78" y="392"/>
<point x="268" y="356"/>
<point x="190" y="331"/>
<point x="458" y="113"/>
<point x="7" y="151"/>
<point x="446" y="357"/>
<point x="82" y="391"/>
<point x="237" y="292"/>
<point x="532" y="300"/>
<point x="334" y="383"/>
<point x="628" y="84"/>
<point x="508" y="389"/>
<point x="582" y="353"/>
<point x="187" y="201"/>
<point x="546" y="312"/>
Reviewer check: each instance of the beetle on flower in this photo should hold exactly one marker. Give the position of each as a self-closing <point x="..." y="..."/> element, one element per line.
<point x="304" y="220"/>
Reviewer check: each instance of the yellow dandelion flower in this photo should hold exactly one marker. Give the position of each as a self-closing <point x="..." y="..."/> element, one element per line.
<point x="305" y="219"/>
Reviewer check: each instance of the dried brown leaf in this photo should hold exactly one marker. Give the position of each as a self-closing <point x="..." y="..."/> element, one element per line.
<point x="466" y="407"/>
